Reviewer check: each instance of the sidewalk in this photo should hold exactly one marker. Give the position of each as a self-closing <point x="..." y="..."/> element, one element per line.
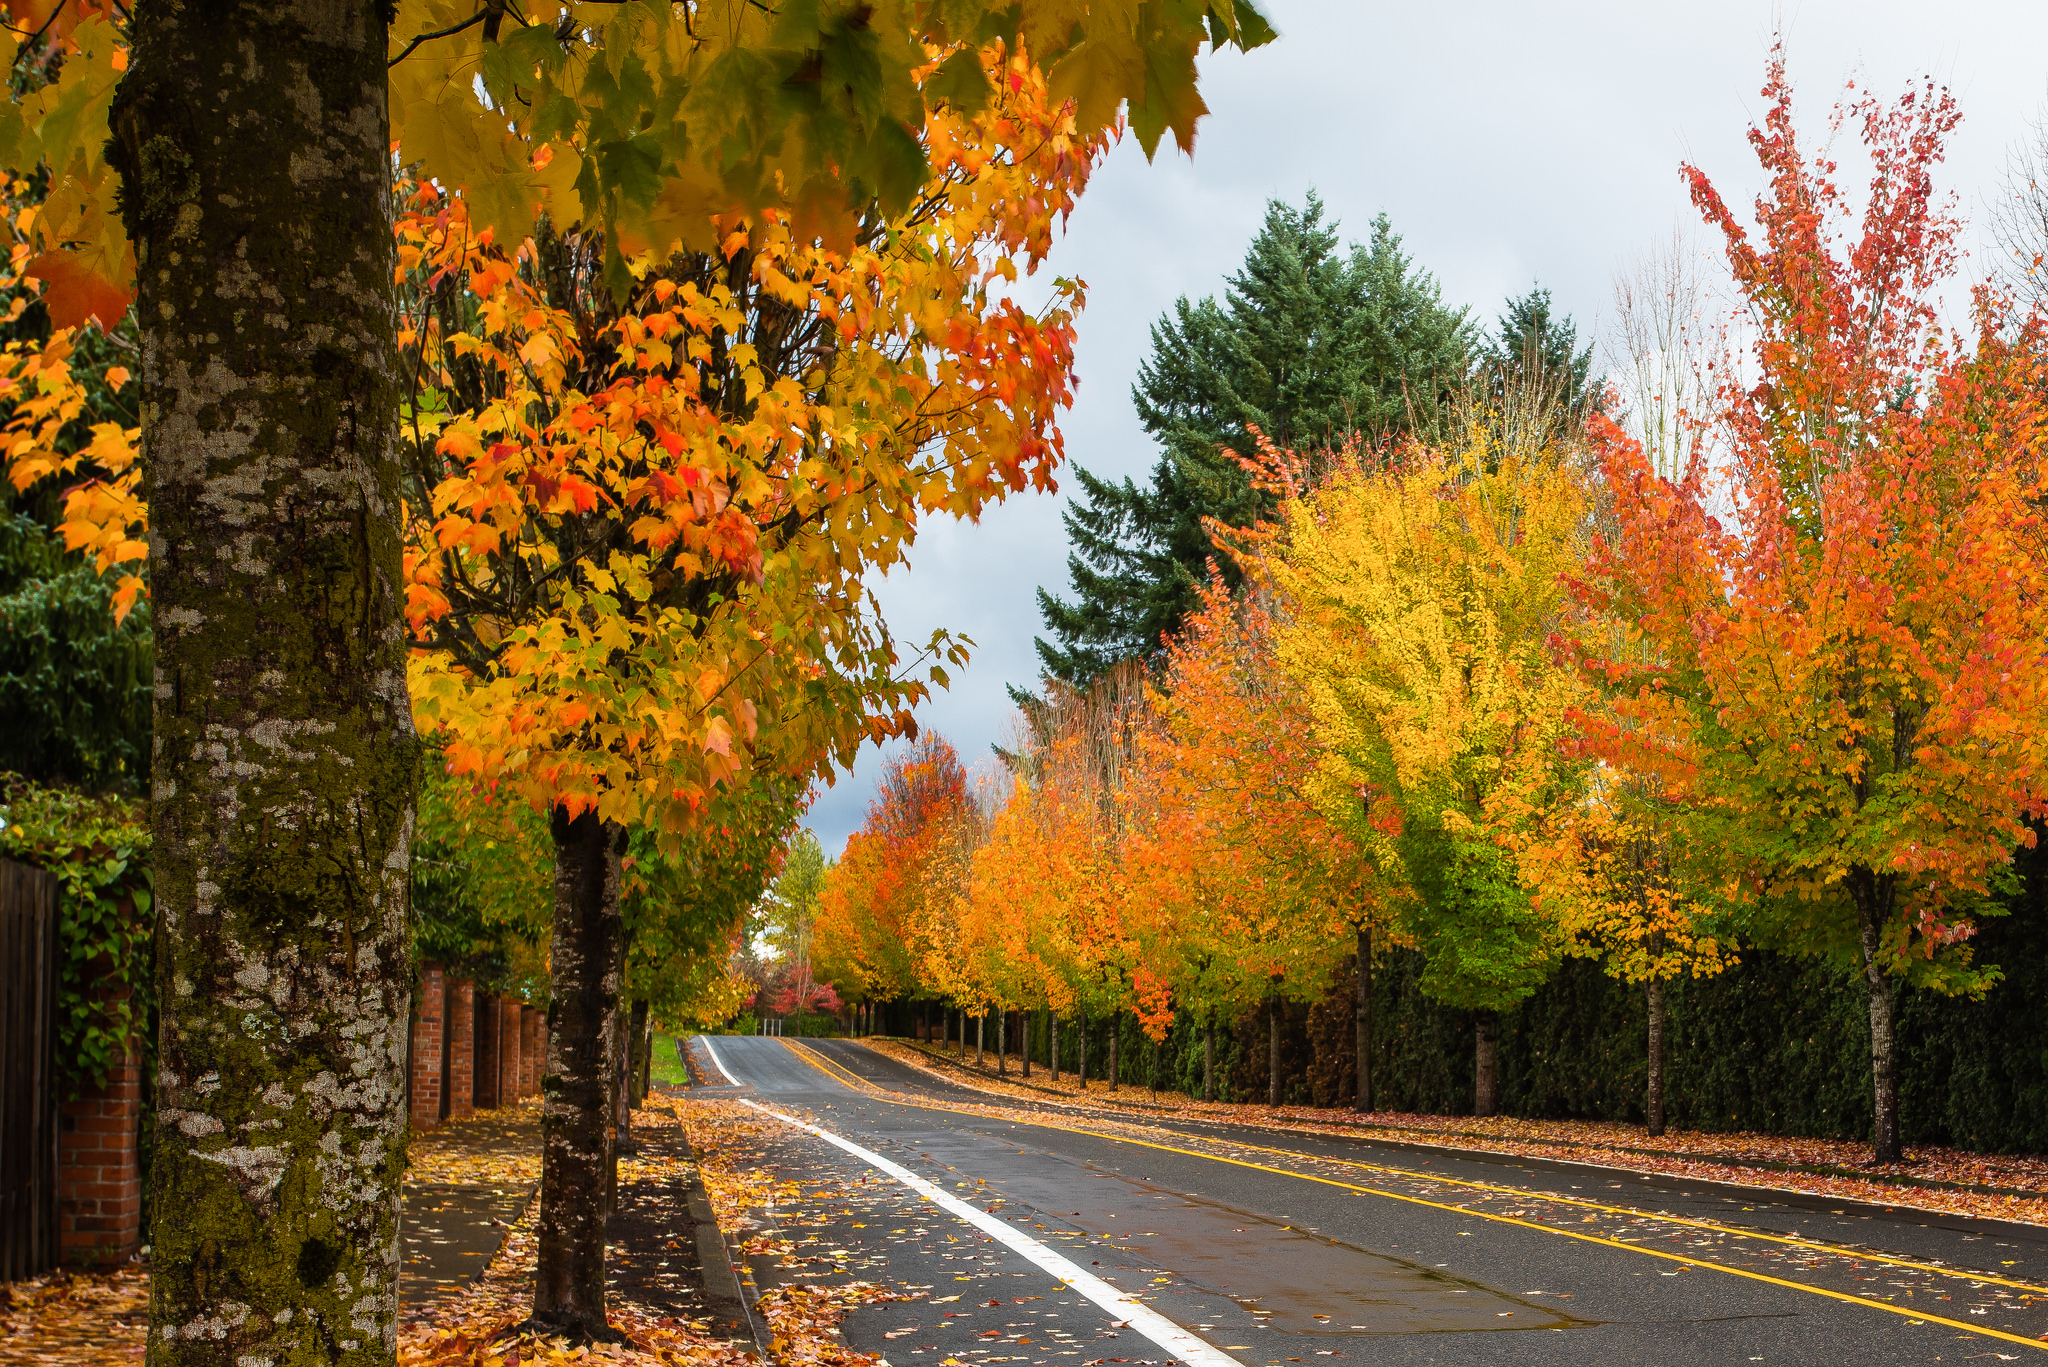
<point x="465" y="1185"/>
<point x="1938" y="1180"/>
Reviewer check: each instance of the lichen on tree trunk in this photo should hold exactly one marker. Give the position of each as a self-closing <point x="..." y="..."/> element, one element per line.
<point x="586" y="960"/>
<point x="253" y="146"/>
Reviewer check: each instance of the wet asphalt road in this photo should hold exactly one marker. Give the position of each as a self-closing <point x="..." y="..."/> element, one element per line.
<point x="1291" y="1248"/>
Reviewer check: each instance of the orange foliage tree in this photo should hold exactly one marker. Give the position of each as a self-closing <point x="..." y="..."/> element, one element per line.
<point x="874" y="915"/>
<point x="1847" y="680"/>
<point x="1240" y="885"/>
<point x="639" y="530"/>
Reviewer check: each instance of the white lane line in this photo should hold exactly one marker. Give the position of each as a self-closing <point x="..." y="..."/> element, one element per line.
<point x="1137" y="1314"/>
<point x="717" y="1062"/>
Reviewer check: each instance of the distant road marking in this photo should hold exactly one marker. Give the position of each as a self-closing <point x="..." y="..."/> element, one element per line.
<point x="811" y="1055"/>
<point x="1139" y="1316"/>
<point x="716" y="1061"/>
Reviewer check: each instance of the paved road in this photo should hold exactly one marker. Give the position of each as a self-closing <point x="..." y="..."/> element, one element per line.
<point x="1274" y="1247"/>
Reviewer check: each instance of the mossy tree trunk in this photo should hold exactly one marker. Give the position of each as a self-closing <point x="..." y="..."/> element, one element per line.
<point x="585" y="965"/>
<point x="253" y="145"/>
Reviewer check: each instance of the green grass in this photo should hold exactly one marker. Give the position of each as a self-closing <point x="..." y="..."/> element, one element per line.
<point x="666" y="1067"/>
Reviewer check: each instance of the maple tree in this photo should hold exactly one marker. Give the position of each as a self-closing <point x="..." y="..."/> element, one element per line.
<point x="639" y="528"/>
<point x="1424" y="595"/>
<point x="1240" y="880"/>
<point x="1845" y="608"/>
<point x="873" y="917"/>
<point x="262" y="266"/>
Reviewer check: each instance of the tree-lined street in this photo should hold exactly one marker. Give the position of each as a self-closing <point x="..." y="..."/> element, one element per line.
<point x="1276" y="1247"/>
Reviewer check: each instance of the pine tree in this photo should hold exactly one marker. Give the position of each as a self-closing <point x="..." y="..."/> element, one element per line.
<point x="1308" y="346"/>
<point x="1537" y="352"/>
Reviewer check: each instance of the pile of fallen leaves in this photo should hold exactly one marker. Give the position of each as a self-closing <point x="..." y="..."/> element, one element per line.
<point x="1951" y="1181"/>
<point x="71" y="1318"/>
<point x="804" y="1322"/>
<point x="476" y="1328"/>
<point x="803" y="1319"/>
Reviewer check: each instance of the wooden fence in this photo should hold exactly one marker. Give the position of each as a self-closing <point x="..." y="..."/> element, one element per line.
<point x="28" y="1087"/>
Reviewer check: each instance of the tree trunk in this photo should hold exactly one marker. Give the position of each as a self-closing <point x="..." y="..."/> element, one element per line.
<point x="980" y="1032"/>
<point x="585" y="962"/>
<point x="1209" y="1058"/>
<point x="1486" y="1063"/>
<point x="253" y="145"/>
<point x="1081" y="1069"/>
<point x="1002" y="1044"/>
<point x="622" y="1109"/>
<point x="1052" y="1044"/>
<point x="1653" y="995"/>
<point x="1024" y="1034"/>
<point x="1273" y="1052"/>
<point x="1873" y="898"/>
<point x="1364" y="1083"/>
<point x="636" y="1094"/>
<point x="1116" y="1039"/>
<point x="646" y="1058"/>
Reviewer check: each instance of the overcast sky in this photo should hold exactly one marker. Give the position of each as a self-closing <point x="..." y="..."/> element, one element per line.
<point x="1511" y="143"/>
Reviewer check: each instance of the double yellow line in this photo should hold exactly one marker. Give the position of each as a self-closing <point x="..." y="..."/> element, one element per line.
<point x="839" y="1074"/>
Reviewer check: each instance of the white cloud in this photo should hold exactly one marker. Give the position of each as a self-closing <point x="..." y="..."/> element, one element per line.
<point x="1511" y="143"/>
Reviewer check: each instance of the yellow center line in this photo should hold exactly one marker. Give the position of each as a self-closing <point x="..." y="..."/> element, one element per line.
<point x="833" y="1070"/>
<point x="1788" y="1240"/>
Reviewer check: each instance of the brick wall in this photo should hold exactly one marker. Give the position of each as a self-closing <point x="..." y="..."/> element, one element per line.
<point x="461" y="1048"/>
<point x="99" y="1175"/>
<point x="429" y="1037"/>
<point x="510" y="1055"/>
<point x="532" y="1047"/>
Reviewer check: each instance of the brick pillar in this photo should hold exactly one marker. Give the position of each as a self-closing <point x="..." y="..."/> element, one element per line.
<point x="99" y="1175"/>
<point x="487" y="1021"/>
<point x="428" y="1037"/>
<point x="461" y="1048"/>
<point x="531" y="1046"/>
<point x="510" y="1055"/>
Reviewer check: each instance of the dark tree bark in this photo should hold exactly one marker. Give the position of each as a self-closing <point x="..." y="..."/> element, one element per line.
<point x="1874" y="896"/>
<point x="980" y="1039"/>
<point x="1002" y="1044"/>
<point x="1364" y="1085"/>
<point x="1116" y="1040"/>
<point x="1653" y="996"/>
<point x="1081" y="1069"/>
<point x="1052" y="1043"/>
<point x="1209" y="1058"/>
<point x="585" y="962"/>
<point x="253" y="145"/>
<point x="646" y="1037"/>
<point x="1273" y="1051"/>
<point x="1024" y="1039"/>
<point x="1486" y="1063"/>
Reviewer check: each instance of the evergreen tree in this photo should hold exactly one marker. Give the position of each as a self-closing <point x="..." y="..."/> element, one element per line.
<point x="1534" y="352"/>
<point x="1309" y="346"/>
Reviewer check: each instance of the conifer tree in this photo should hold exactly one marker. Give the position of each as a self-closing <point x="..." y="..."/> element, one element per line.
<point x="1309" y="346"/>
